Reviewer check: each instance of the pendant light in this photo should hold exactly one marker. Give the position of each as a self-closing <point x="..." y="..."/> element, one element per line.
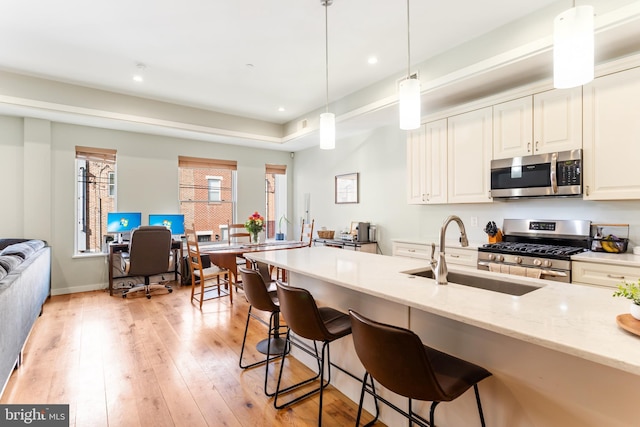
<point x="409" y="92"/>
<point x="573" y="40"/>
<point x="327" y="119"/>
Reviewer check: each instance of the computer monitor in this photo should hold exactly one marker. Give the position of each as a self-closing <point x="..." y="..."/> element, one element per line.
<point x="122" y="223"/>
<point x="174" y="222"/>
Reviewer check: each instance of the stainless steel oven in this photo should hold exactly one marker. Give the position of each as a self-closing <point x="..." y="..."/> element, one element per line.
<point x="552" y="174"/>
<point x="541" y="247"/>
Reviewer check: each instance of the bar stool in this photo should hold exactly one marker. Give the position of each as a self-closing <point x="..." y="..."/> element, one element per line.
<point x="307" y="320"/>
<point x="405" y="366"/>
<point x="255" y="290"/>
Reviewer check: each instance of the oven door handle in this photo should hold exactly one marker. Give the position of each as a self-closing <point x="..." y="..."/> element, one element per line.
<point x="553" y="175"/>
<point x="553" y="273"/>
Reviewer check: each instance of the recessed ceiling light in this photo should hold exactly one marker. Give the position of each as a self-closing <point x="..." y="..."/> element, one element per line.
<point x="138" y="74"/>
<point x="280" y="108"/>
<point x="372" y="60"/>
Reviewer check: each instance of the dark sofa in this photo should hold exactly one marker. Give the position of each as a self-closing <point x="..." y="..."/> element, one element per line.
<point x="25" y="284"/>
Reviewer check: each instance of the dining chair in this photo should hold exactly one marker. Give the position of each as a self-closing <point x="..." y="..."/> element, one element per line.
<point x="306" y="234"/>
<point x="237" y="233"/>
<point x="205" y="276"/>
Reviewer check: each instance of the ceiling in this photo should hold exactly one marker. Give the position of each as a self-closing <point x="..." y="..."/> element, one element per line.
<point x="241" y="57"/>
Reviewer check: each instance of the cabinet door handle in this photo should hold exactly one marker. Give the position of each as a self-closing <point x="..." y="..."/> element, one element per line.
<point x="454" y="256"/>
<point x="528" y="147"/>
<point x="615" y="276"/>
<point x="537" y="145"/>
<point x="586" y="190"/>
<point x="411" y="250"/>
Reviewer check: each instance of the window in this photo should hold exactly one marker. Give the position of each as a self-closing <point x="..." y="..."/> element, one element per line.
<point x="207" y="195"/>
<point x="112" y="184"/>
<point x="276" y="199"/>
<point x="95" y="196"/>
<point x="214" y="183"/>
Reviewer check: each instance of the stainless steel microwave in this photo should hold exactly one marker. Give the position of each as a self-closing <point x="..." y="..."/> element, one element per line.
<point x="538" y="175"/>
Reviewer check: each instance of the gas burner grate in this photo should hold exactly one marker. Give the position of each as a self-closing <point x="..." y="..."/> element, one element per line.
<point x="533" y="249"/>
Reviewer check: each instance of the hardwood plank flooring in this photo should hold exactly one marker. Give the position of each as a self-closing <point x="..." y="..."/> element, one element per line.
<point x="158" y="362"/>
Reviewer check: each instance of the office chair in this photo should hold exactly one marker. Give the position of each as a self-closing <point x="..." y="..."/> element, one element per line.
<point x="149" y="254"/>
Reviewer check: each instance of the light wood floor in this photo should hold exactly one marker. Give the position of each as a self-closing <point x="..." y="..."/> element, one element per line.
<point x="158" y="362"/>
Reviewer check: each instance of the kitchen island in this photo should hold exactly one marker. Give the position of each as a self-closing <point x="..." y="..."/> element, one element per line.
<point x="557" y="356"/>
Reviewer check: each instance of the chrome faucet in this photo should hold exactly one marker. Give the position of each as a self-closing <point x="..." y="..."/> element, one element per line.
<point x="439" y="267"/>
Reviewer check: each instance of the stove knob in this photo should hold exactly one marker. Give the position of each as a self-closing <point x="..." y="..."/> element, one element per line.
<point x="546" y="263"/>
<point x="518" y="260"/>
<point x="499" y="258"/>
<point x="492" y="257"/>
<point x="537" y="262"/>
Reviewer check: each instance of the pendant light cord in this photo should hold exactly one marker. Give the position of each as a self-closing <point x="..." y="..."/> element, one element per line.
<point x="326" y="51"/>
<point x="408" y="45"/>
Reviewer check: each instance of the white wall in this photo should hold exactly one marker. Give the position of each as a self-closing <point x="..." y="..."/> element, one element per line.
<point x="380" y="159"/>
<point x="11" y="173"/>
<point x="147" y="174"/>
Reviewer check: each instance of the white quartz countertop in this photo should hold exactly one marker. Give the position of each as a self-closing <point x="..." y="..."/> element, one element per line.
<point x="627" y="259"/>
<point x="574" y="319"/>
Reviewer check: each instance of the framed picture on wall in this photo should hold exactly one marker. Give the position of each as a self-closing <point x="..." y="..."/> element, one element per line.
<point x="347" y="188"/>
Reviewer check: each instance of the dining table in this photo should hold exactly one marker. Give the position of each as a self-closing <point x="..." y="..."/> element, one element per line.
<point x="225" y="256"/>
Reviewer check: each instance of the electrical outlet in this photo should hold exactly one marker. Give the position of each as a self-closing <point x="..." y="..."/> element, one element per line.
<point x="474" y="221"/>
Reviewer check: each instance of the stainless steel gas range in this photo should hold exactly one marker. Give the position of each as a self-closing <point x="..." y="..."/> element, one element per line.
<point x="544" y="245"/>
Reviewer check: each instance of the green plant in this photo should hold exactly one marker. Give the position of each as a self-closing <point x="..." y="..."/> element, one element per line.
<point x="283" y="217"/>
<point x="630" y="291"/>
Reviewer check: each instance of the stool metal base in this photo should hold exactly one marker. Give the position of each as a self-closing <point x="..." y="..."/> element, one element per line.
<point x="277" y="346"/>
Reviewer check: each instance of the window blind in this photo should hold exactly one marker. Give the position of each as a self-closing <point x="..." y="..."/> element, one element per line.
<point x="276" y="169"/>
<point x="105" y="155"/>
<point x="201" y="163"/>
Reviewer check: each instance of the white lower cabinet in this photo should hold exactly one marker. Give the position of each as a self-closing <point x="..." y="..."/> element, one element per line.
<point x="453" y="255"/>
<point x="606" y="275"/>
<point x="411" y="250"/>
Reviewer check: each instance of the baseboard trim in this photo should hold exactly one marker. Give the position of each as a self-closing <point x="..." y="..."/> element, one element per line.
<point x="76" y="289"/>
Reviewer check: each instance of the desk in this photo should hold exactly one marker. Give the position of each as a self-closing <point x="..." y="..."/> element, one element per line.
<point x="117" y="248"/>
<point x="224" y="256"/>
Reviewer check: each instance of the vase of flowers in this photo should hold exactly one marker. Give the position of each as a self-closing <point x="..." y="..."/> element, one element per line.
<point x="254" y="225"/>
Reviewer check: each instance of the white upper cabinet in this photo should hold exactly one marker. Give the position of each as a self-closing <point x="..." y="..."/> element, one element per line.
<point x="512" y="128"/>
<point x="427" y="163"/>
<point x="416" y="166"/>
<point x="612" y="137"/>
<point x="545" y="122"/>
<point x="469" y="149"/>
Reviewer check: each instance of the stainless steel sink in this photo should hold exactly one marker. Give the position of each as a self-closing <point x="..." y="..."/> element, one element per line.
<point x="495" y="285"/>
